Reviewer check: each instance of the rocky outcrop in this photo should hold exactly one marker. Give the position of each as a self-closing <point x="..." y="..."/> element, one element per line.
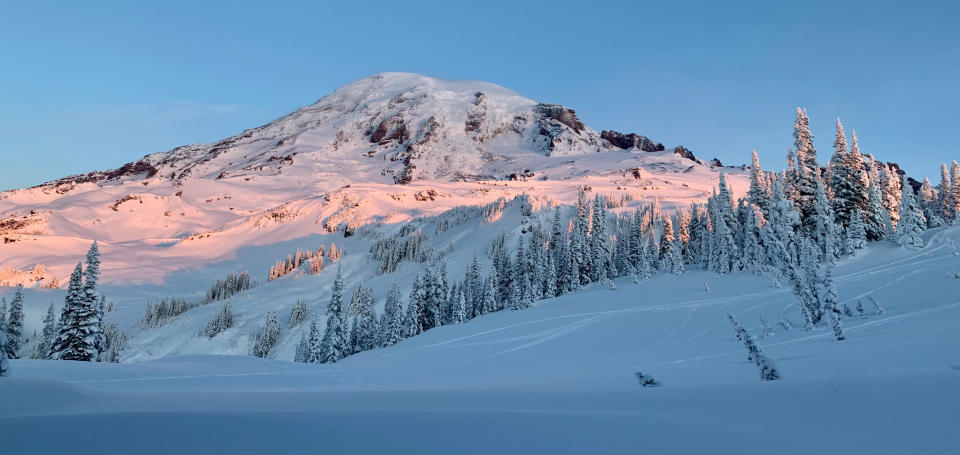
<point x="548" y="113"/>
<point x="684" y="152"/>
<point x="631" y="140"/>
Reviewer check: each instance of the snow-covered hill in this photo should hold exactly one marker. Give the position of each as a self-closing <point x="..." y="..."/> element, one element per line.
<point x="557" y="378"/>
<point x="384" y="149"/>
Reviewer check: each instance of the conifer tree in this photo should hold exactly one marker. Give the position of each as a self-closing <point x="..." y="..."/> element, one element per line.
<point x="856" y="238"/>
<point x="4" y="363"/>
<point x="807" y="173"/>
<point x="15" y="325"/>
<point x="550" y="279"/>
<point x="302" y="351"/>
<point x="364" y="333"/>
<point x="826" y="231"/>
<point x="945" y="196"/>
<point x="489" y="297"/>
<point x="759" y="193"/>
<point x="876" y="218"/>
<point x="47" y="336"/>
<point x="268" y="337"/>
<point x="600" y="241"/>
<point x="891" y="191"/>
<point x="930" y="205"/>
<point x="473" y="288"/>
<point x="458" y="311"/>
<point x="391" y="326"/>
<point x="954" y="200"/>
<point x="79" y="328"/>
<point x="333" y="346"/>
<point x="579" y="241"/>
<point x="768" y="370"/>
<point x="665" y="255"/>
<point x="91" y="276"/>
<point x="845" y="182"/>
<point x="912" y="221"/>
<point x="754" y="251"/>
<point x="411" y="325"/>
<point x="314" y="344"/>
<point x="299" y="313"/>
<point x="827" y="294"/>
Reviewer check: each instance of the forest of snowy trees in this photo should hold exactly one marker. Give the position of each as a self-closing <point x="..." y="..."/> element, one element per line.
<point x="792" y="226"/>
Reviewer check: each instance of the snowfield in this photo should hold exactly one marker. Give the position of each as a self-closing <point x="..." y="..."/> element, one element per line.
<point x="556" y="378"/>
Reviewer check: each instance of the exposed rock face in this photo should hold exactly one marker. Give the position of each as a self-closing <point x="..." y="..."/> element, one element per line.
<point x="684" y="152"/>
<point x="561" y="114"/>
<point x="626" y="141"/>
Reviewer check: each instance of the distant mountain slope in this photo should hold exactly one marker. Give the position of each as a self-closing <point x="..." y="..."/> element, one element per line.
<point x="383" y="149"/>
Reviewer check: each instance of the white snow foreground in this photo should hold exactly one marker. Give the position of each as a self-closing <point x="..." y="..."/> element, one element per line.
<point x="556" y="378"/>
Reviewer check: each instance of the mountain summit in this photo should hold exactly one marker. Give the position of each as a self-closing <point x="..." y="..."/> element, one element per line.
<point x="383" y="149"/>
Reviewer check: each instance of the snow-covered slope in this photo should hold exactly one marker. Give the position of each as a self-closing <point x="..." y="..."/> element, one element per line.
<point x="384" y="149"/>
<point x="557" y="378"/>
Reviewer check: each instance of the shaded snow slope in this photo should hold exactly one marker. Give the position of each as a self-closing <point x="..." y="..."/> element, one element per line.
<point x="387" y="148"/>
<point x="557" y="378"/>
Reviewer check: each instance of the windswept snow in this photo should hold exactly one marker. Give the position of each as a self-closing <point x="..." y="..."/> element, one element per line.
<point x="557" y="378"/>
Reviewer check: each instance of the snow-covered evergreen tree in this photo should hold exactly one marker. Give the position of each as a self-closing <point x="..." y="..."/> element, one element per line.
<point x="876" y="218"/>
<point x="458" y="309"/>
<point x="827" y="294"/>
<point x="268" y="337"/>
<point x="953" y="202"/>
<point x="665" y="255"/>
<point x="223" y="320"/>
<point x="411" y="325"/>
<point x="299" y="313"/>
<point x="473" y="288"/>
<point x="333" y="346"/>
<point x="807" y="173"/>
<point x="302" y="352"/>
<point x="826" y="232"/>
<point x="79" y="329"/>
<point x="759" y="192"/>
<point x="754" y="250"/>
<point x="314" y="344"/>
<point x="912" y="222"/>
<point x="488" y="299"/>
<point x="580" y="241"/>
<point x="767" y="368"/>
<point x="891" y="191"/>
<point x="945" y="197"/>
<point x="600" y="249"/>
<point x="364" y="331"/>
<point x="47" y="336"/>
<point x="4" y="363"/>
<point x="91" y="275"/>
<point x="849" y="192"/>
<point x="856" y="236"/>
<point x="930" y="205"/>
<point x="14" y="325"/>
<point x="391" y="325"/>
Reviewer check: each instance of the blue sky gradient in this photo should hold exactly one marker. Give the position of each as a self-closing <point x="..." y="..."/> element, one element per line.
<point x="92" y="85"/>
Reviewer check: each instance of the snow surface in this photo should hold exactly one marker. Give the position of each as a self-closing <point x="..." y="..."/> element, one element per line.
<point x="557" y="378"/>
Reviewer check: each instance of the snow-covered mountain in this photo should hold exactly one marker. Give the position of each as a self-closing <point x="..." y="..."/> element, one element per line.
<point x="384" y="149"/>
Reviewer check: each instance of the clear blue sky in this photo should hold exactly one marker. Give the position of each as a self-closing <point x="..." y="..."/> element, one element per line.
<point x="92" y="85"/>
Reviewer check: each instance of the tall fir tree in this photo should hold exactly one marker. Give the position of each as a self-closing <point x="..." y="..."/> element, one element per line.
<point x="79" y="329"/>
<point x="391" y="326"/>
<point x="333" y="346"/>
<point x="600" y="250"/>
<point x="930" y="205"/>
<point x="912" y="222"/>
<point x="807" y="173"/>
<point x="856" y="235"/>
<point x="845" y="182"/>
<point x="314" y="344"/>
<point x="876" y="217"/>
<point x="14" y="327"/>
<point x="365" y="328"/>
<point x="759" y="192"/>
<point x="579" y="241"/>
<point x="826" y="232"/>
<point x="4" y="363"/>
<point x="47" y="336"/>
